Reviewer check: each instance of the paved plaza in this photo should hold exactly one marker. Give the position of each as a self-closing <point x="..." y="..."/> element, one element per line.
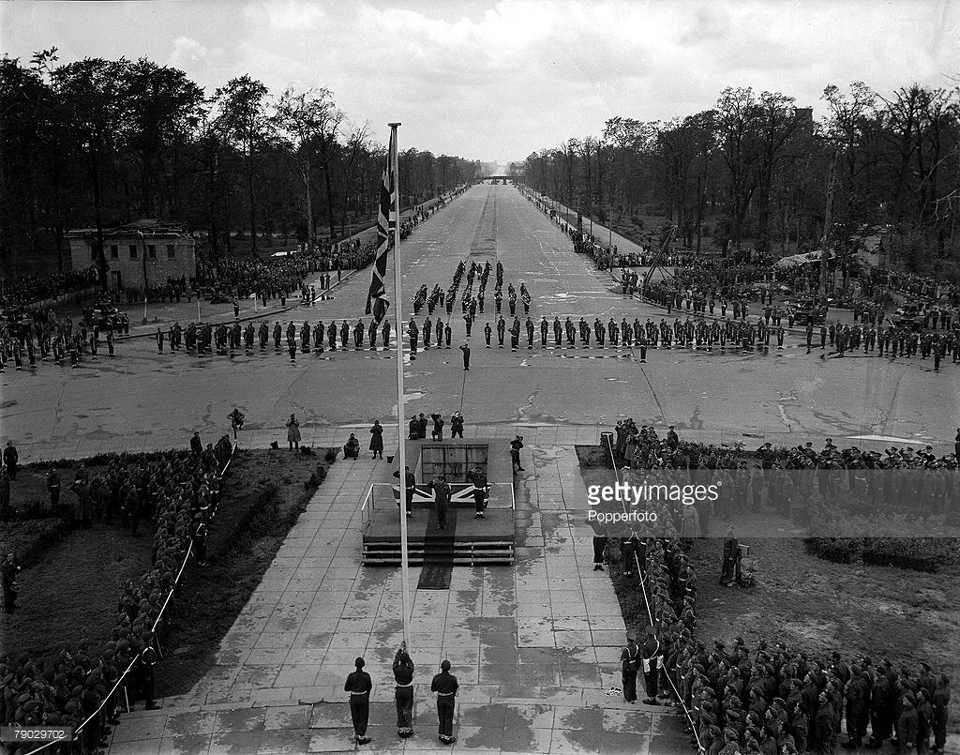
<point x="535" y="646"/>
<point x="143" y="400"/>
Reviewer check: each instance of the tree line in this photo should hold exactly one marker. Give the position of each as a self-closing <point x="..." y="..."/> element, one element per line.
<point x="765" y="172"/>
<point x="98" y="142"/>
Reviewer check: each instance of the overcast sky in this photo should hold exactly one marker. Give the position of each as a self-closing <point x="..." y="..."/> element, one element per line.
<point x="496" y="81"/>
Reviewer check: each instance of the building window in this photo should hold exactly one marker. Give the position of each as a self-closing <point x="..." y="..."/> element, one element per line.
<point x="114" y="252"/>
<point x="152" y="251"/>
<point x="170" y="252"/>
<point x="133" y="251"/>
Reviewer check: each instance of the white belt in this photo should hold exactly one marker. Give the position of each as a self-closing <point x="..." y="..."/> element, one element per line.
<point x="360" y="693"/>
<point x="445" y="694"/>
<point x="401" y="686"/>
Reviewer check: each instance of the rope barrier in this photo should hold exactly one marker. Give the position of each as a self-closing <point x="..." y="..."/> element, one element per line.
<point x="641" y="571"/>
<point x="156" y="623"/>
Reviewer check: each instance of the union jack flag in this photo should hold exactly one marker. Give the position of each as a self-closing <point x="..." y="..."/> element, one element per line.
<point x="377" y="301"/>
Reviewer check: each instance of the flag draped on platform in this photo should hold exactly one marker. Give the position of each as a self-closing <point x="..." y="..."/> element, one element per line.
<point x="377" y="301"/>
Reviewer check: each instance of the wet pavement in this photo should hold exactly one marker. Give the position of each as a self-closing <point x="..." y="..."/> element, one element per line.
<point x="534" y="646"/>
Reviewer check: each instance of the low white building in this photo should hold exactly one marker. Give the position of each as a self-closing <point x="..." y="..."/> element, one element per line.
<point x="145" y="250"/>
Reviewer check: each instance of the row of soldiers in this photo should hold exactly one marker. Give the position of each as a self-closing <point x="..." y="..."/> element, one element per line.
<point x="59" y="348"/>
<point x="773" y="700"/>
<point x="892" y="341"/>
<point x="78" y="685"/>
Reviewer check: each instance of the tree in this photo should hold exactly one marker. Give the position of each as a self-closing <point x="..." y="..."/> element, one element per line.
<point x="243" y="119"/>
<point x="90" y="93"/>
<point x="309" y="122"/>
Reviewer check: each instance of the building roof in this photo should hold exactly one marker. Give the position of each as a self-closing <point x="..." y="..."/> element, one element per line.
<point x="149" y="227"/>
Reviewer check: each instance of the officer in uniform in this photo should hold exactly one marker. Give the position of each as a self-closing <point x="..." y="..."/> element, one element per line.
<point x="445" y="685"/>
<point x="478" y="479"/>
<point x="403" y="675"/>
<point x="487" y="332"/>
<point x="358" y="684"/>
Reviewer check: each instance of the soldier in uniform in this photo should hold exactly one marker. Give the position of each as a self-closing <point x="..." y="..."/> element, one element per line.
<point x="445" y="685"/>
<point x="478" y="479"/>
<point x="651" y="665"/>
<point x="427" y="331"/>
<point x="148" y="662"/>
<point x="441" y="492"/>
<point x="501" y="330"/>
<point x="557" y="332"/>
<point x="544" y="329"/>
<point x="414" y="336"/>
<point x="358" y="684"/>
<point x="403" y="676"/>
<point x="487" y="332"/>
<point x="629" y="666"/>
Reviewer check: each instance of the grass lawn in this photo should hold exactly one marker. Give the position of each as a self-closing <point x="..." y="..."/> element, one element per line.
<point x="70" y="586"/>
<point x="263" y="497"/>
<point x="817" y="606"/>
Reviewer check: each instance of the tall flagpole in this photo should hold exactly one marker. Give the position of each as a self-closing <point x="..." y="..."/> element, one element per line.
<point x="401" y="423"/>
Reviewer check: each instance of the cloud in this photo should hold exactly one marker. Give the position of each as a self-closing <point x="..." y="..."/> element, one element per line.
<point x="286" y="15"/>
<point x="502" y="78"/>
<point x="187" y="52"/>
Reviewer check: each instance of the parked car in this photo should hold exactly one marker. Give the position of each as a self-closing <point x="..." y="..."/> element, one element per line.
<point x="105" y="315"/>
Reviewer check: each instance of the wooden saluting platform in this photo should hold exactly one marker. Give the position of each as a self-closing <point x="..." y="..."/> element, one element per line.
<point x="467" y="540"/>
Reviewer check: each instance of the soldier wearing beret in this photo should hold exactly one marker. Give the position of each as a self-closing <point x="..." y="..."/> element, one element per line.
<point x="629" y="666"/>
<point x="358" y="684"/>
<point x="445" y="685"/>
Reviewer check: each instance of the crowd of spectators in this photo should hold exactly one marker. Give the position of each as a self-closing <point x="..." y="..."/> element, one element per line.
<point x="771" y="700"/>
<point x="180" y="492"/>
<point x="26" y="289"/>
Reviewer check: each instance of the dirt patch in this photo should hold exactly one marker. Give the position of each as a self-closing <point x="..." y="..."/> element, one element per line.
<point x="264" y="495"/>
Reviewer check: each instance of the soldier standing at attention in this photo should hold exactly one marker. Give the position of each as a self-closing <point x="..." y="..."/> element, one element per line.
<point x="651" y="665"/>
<point x="403" y="675"/>
<point x="358" y="684"/>
<point x="445" y="685"/>
<point x="515" y="445"/>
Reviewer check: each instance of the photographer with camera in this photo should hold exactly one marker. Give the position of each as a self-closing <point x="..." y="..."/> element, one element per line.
<point x="8" y="575"/>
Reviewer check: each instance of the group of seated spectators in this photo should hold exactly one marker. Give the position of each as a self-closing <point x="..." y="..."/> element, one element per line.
<point x="182" y="490"/>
